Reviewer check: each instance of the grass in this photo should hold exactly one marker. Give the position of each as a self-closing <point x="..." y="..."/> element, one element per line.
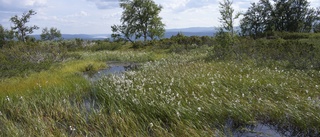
<point x="170" y="95"/>
<point x="62" y="75"/>
<point x="202" y="96"/>
<point x="122" y="56"/>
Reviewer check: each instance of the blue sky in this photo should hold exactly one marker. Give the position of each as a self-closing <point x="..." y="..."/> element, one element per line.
<point x="96" y="16"/>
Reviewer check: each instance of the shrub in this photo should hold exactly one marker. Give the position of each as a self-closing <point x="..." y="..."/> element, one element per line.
<point x="299" y="55"/>
<point x="224" y="47"/>
<point x="292" y="36"/>
<point x="23" y="58"/>
<point x="102" y="45"/>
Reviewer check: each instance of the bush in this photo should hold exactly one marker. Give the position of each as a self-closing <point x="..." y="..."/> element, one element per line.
<point x="299" y="55"/>
<point x="224" y="47"/>
<point x="292" y="36"/>
<point x="295" y="54"/>
<point x="22" y="59"/>
<point x="102" y="45"/>
<point x="302" y="55"/>
<point x="181" y="42"/>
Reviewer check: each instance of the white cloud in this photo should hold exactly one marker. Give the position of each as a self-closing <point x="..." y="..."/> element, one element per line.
<point x="106" y="4"/>
<point x="35" y="2"/>
<point x="79" y="14"/>
<point x="172" y="4"/>
<point x="314" y="3"/>
<point x="61" y="20"/>
<point x="112" y="15"/>
<point x="21" y="5"/>
<point x="83" y="13"/>
<point x="192" y="17"/>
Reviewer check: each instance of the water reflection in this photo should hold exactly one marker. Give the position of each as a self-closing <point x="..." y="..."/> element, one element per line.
<point x="114" y="68"/>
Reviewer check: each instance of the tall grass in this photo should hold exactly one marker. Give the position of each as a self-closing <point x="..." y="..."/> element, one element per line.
<point x="178" y="95"/>
<point x="184" y="98"/>
<point x="122" y="56"/>
<point x="61" y="75"/>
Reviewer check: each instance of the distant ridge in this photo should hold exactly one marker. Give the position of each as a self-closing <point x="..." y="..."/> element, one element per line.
<point x="80" y="36"/>
<point x="193" y="31"/>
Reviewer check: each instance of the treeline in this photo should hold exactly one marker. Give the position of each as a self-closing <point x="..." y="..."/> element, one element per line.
<point x="265" y="17"/>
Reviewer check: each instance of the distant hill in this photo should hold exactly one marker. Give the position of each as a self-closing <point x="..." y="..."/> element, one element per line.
<point x="193" y="31"/>
<point x="81" y="36"/>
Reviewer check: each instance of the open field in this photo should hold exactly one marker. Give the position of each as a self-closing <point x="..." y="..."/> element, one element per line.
<point x="170" y="94"/>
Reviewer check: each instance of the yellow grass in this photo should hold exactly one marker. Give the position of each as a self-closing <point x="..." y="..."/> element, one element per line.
<point x="57" y="75"/>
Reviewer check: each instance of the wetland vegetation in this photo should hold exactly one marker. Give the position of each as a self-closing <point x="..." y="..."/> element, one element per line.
<point x="264" y="82"/>
<point x="177" y="90"/>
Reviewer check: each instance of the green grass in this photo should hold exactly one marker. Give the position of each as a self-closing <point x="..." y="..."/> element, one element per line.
<point x="122" y="56"/>
<point x="60" y="75"/>
<point x="178" y="94"/>
<point x="170" y="95"/>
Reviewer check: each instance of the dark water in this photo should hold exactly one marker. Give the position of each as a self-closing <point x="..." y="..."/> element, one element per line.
<point x="259" y="130"/>
<point x="114" y="68"/>
<point x="256" y="129"/>
<point x="108" y="71"/>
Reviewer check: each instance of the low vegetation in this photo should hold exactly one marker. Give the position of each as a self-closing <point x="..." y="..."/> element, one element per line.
<point x="225" y="85"/>
<point x="195" y="89"/>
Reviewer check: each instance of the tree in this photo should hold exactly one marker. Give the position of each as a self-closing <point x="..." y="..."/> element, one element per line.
<point x="227" y="16"/>
<point x="291" y="15"/>
<point x="225" y="35"/>
<point x="283" y="15"/>
<point x="20" y="29"/>
<point x="257" y="19"/>
<point x="140" y="18"/>
<point x="316" y="28"/>
<point x="5" y="35"/>
<point x="51" y="34"/>
<point x="2" y="36"/>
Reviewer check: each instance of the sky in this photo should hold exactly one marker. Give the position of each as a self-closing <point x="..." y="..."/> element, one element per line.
<point x="97" y="16"/>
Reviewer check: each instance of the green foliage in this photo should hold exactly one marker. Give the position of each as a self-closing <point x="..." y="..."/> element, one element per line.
<point x="227" y="16"/>
<point x="180" y="43"/>
<point x="257" y="19"/>
<point x="292" y="36"/>
<point x="20" y="29"/>
<point x="283" y="15"/>
<point x="290" y="50"/>
<point x="224" y="46"/>
<point x="317" y="27"/>
<point x="51" y="34"/>
<point x="294" y="16"/>
<point x="22" y="58"/>
<point x="169" y="95"/>
<point x="104" y="45"/>
<point x="299" y="55"/>
<point x="5" y="36"/>
<point x="140" y="18"/>
<point x="76" y="44"/>
<point x="225" y="37"/>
